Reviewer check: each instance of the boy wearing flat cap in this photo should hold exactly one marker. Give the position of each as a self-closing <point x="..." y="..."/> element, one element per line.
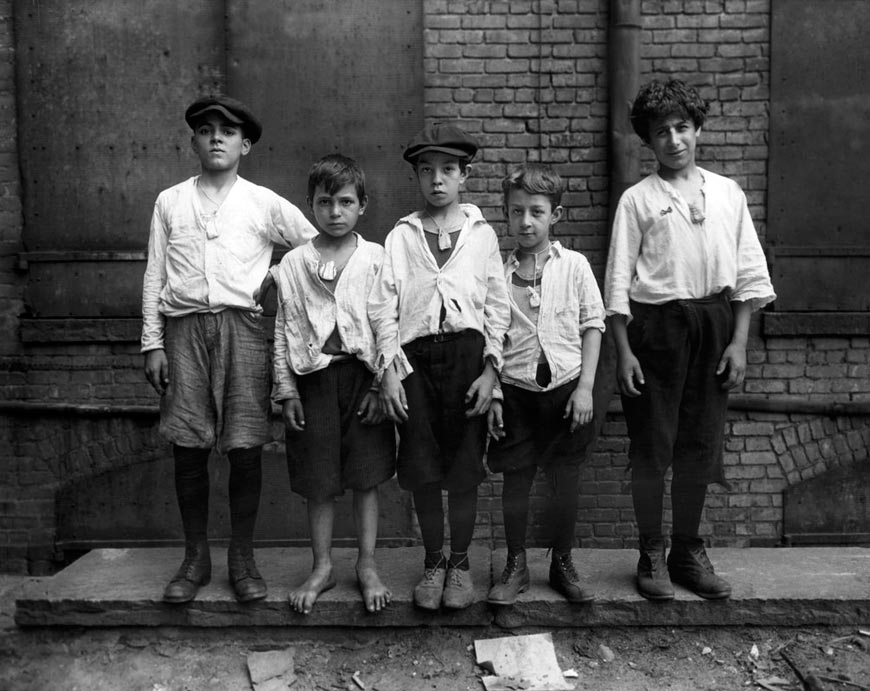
<point x="442" y="279"/>
<point x="203" y="335"/>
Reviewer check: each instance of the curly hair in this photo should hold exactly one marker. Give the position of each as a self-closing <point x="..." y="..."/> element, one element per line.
<point x="658" y="99"/>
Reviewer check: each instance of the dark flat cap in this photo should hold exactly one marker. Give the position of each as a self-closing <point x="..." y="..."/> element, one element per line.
<point x="444" y="138"/>
<point x="233" y="110"/>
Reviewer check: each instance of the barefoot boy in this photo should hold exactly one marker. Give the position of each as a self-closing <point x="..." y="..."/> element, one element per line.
<point x="443" y="280"/>
<point x="205" y="346"/>
<point x="684" y="273"/>
<point x="550" y="357"/>
<point x="325" y="360"/>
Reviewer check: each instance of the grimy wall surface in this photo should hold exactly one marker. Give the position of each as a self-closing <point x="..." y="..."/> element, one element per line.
<point x="531" y="80"/>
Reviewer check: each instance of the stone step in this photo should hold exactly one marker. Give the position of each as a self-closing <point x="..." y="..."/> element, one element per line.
<point x="771" y="587"/>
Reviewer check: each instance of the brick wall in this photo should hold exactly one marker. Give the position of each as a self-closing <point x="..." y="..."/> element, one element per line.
<point x="530" y="79"/>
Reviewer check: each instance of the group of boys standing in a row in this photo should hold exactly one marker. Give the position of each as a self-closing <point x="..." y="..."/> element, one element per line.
<point x="467" y="357"/>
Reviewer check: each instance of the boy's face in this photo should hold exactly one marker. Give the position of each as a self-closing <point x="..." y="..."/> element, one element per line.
<point x="336" y="214"/>
<point x="441" y="177"/>
<point x="530" y="217"/>
<point x="673" y="139"/>
<point x="219" y="143"/>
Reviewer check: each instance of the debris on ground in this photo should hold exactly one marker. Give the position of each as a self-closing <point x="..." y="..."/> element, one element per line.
<point x="273" y="670"/>
<point x="520" y="662"/>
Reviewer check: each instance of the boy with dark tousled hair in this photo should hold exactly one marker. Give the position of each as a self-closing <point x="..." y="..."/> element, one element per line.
<point x="684" y="273"/>
<point x="326" y="370"/>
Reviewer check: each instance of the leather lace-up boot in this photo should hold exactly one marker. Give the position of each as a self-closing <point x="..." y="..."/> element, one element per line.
<point x="653" y="581"/>
<point x="194" y="572"/>
<point x="247" y="583"/>
<point x="514" y="580"/>
<point x="690" y="567"/>
<point x="565" y="580"/>
<point x="429" y="590"/>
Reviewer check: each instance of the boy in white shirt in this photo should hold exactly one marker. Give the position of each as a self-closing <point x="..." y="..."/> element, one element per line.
<point x="684" y="274"/>
<point x="325" y="365"/>
<point x="550" y="357"/>
<point x="443" y="281"/>
<point x="204" y="342"/>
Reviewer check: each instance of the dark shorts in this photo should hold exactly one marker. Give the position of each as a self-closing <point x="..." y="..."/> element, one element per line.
<point x="679" y="418"/>
<point x="336" y="451"/>
<point x="219" y="381"/>
<point x="438" y="444"/>
<point x="536" y="432"/>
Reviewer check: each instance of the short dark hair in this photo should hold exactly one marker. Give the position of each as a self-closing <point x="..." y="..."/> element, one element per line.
<point x="534" y="178"/>
<point x="334" y="171"/>
<point x="658" y="99"/>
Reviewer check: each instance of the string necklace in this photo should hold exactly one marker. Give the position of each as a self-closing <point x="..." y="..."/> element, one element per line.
<point x="444" y="242"/>
<point x="328" y="270"/>
<point x="533" y="290"/>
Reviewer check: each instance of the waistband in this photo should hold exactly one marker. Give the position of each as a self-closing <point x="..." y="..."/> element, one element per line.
<point x="444" y="336"/>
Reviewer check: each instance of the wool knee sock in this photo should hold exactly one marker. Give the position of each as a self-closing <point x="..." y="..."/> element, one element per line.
<point x="562" y="511"/>
<point x="687" y="502"/>
<point x="647" y="494"/>
<point x="244" y="490"/>
<point x="191" y="490"/>
<point x="515" y="506"/>
<point x="430" y="516"/>
<point x="461" y="514"/>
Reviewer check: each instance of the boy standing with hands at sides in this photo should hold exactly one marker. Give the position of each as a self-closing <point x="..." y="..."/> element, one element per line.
<point x="550" y="358"/>
<point x="325" y="362"/>
<point x="205" y="346"/>
<point x="684" y="274"/>
<point x="444" y="283"/>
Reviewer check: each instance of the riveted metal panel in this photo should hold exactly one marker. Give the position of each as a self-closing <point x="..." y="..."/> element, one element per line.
<point x="102" y="87"/>
<point x="331" y="77"/>
<point x="820" y="153"/>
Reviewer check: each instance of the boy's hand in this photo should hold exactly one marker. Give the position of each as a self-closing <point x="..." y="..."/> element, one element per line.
<point x="495" y="421"/>
<point x="480" y="392"/>
<point x="157" y="369"/>
<point x="391" y="396"/>
<point x="733" y="361"/>
<point x="629" y="375"/>
<point x="579" y="408"/>
<point x="370" y="412"/>
<point x="293" y="414"/>
<point x="261" y="293"/>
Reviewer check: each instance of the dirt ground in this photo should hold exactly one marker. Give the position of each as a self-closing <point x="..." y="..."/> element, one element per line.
<point x="605" y="659"/>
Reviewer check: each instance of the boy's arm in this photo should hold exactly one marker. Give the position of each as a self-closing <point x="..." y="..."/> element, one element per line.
<point x="284" y="385"/>
<point x="629" y="375"/>
<point x="496" y="308"/>
<point x="733" y="360"/>
<point x="579" y="408"/>
<point x="382" y="307"/>
<point x="290" y="228"/>
<point x="156" y="363"/>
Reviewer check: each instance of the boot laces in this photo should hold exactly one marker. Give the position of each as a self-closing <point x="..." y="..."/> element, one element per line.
<point x="511" y="567"/>
<point x="566" y="566"/>
<point x="430" y="574"/>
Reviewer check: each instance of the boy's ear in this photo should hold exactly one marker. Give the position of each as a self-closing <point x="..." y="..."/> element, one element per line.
<point x="363" y="203"/>
<point x="246" y="146"/>
<point x="308" y="201"/>
<point x="556" y="216"/>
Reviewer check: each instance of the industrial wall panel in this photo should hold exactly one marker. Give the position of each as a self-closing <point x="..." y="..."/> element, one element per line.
<point x="331" y="77"/>
<point x="820" y="153"/>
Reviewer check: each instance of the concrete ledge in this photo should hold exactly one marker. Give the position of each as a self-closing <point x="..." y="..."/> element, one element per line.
<point x="772" y="587"/>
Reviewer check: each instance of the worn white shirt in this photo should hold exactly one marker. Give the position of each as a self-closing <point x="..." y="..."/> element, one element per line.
<point x="570" y="304"/>
<point x="309" y="312"/>
<point x="470" y="285"/>
<point x="657" y="254"/>
<point x="207" y="263"/>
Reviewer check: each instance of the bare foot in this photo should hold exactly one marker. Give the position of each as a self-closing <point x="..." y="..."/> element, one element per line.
<point x="375" y="594"/>
<point x="302" y="599"/>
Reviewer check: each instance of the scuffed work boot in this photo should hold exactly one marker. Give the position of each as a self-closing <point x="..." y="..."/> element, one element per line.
<point x="653" y="581"/>
<point x="247" y="583"/>
<point x="194" y="572"/>
<point x="458" y="588"/>
<point x="690" y="567"/>
<point x="430" y="589"/>
<point x="514" y="580"/>
<point x="565" y="580"/>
